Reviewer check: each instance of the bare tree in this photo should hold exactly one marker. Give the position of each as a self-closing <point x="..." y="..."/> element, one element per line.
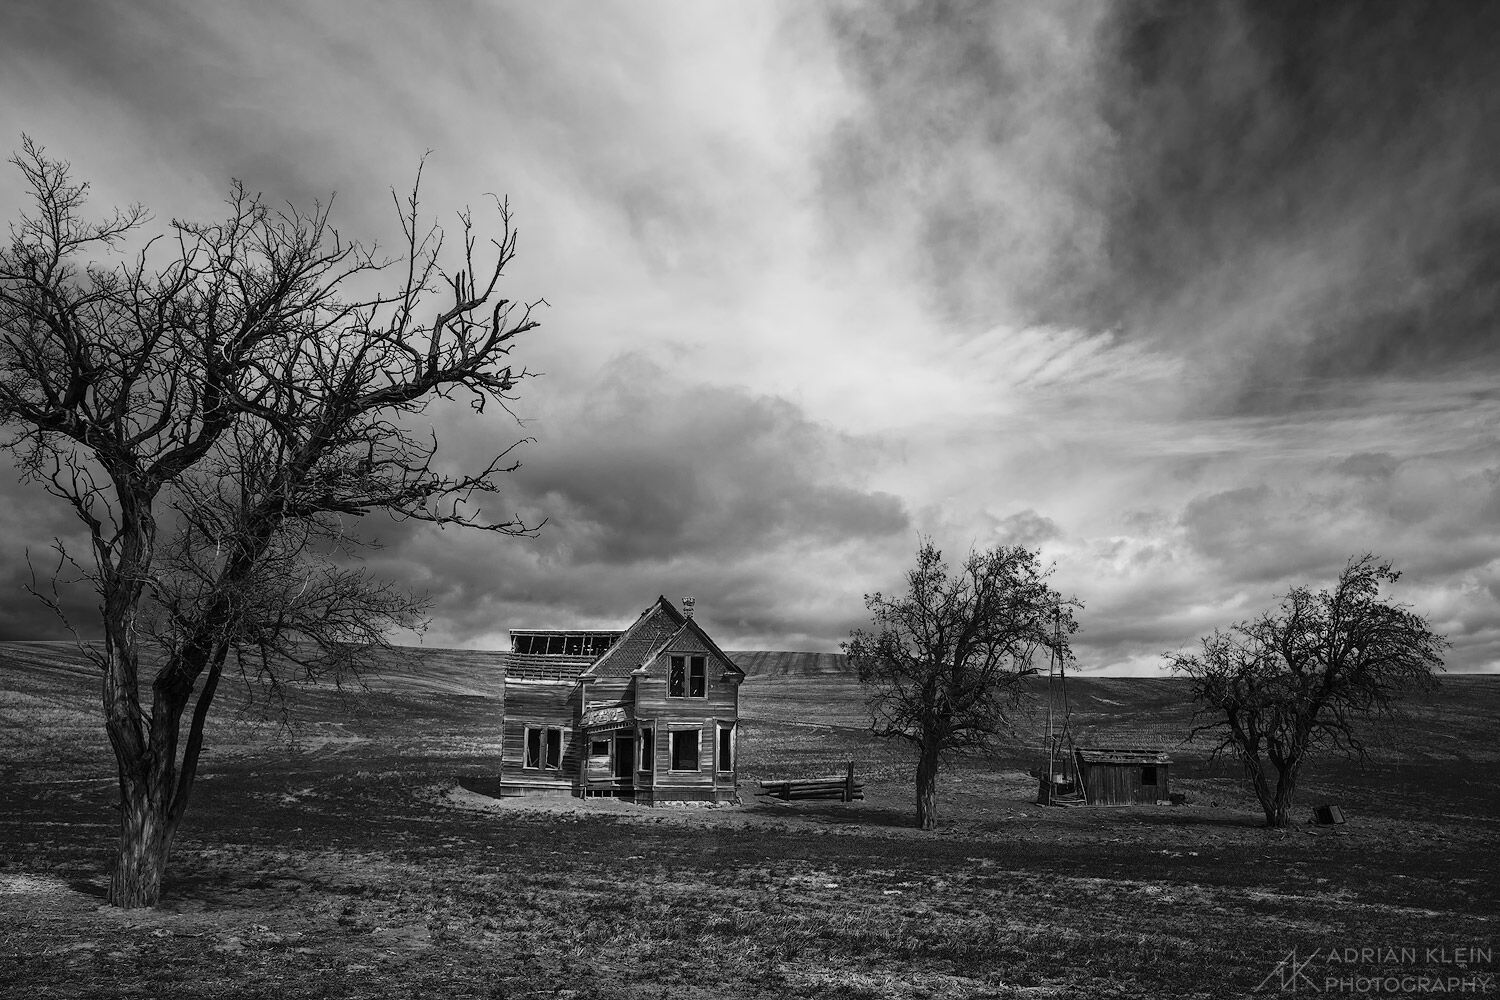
<point x="215" y="404"/>
<point x="943" y="662"/>
<point x="1304" y="677"/>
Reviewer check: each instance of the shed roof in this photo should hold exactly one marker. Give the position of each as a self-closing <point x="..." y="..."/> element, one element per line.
<point x="1121" y="755"/>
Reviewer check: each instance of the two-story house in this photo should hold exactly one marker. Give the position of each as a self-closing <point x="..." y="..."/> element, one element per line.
<point x="650" y="713"/>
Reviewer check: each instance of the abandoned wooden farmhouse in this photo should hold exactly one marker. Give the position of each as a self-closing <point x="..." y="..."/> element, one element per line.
<point x="649" y="713"/>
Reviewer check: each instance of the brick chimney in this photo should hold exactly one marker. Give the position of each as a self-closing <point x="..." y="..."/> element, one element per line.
<point x="687" y="605"/>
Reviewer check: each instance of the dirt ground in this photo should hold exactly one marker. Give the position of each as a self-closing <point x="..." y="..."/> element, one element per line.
<point x="367" y="860"/>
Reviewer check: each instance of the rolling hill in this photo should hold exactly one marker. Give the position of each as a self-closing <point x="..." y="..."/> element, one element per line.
<point x="768" y="663"/>
<point x="363" y="834"/>
<point x="49" y="697"/>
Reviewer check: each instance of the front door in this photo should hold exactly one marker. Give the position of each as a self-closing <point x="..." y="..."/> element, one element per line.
<point x="624" y="757"/>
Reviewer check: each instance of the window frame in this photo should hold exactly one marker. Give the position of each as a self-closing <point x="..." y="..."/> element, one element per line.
<point x="687" y="675"/>
<point x="726" y="741"/>
<point x="697" y="767"/>
<point x="646" y="750"/>
<point x="543" y="759"/>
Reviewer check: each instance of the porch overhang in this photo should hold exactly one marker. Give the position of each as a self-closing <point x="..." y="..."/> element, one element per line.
<point x="600" y="721"/>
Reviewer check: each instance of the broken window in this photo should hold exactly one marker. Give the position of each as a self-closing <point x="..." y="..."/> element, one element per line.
<point x="543" y="747"/>
<point x="726" y="748"/>
<point x="685" y="750"/>
<point x="688" y="677"/>
<point x="599" y="748"/>
<point x="1148" y="774"/>
<point x="648" y="751"/>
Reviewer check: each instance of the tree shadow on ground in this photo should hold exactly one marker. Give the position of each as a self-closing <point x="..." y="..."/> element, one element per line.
<point x="1188" y="819"/>
<point x="836" y="813"/>
<point x="89" y="887"/>
<point x="187" y="890"/>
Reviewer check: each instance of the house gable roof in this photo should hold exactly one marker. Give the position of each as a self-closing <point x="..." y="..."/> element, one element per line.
<point x="659" y="627"/>
<point x="691" y="626"/>
<point x="640" y="643"/>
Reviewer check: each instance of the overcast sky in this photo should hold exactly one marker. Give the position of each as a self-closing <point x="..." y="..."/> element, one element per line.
<point x="1200" y="299"/>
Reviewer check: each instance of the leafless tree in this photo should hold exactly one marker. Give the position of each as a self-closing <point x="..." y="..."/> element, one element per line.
<point x="216" y="403"/>
<point x="1304" y="677"/>
<point x="943" y="662"/>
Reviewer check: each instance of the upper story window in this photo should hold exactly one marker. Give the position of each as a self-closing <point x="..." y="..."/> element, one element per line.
<point x="688" y="677"/>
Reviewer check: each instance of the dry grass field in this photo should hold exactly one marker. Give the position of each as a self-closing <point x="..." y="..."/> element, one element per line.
<point x="357" y="855"/>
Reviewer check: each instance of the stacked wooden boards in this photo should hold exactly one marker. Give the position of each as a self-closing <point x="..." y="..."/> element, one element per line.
<point x="845" y="788"/>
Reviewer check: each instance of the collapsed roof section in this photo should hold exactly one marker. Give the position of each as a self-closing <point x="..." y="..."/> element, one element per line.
<point x="1121" y="755"/>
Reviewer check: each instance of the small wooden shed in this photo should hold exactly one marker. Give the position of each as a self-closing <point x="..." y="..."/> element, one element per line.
<point x="1122" y="775"/>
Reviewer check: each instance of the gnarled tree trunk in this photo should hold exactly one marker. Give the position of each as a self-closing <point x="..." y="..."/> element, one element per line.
<point x="927" y="770"/>
<point x="154" y="790"/>
<point x="145" y="842"/>
<point x="1279" y="814"/>
<point x="1255" y="770"/>
<point x="144" y="771"/>
<point x="154" y="784"/>
<point x="1275" y="799"/>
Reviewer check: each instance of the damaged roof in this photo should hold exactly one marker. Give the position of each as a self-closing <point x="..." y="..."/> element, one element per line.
<point x="1121" y="755"/>
<point x="658" y="627"/>
<point x="611" y="715"/>
<point x="641" y="642"/>
<point x="541" y="667"/>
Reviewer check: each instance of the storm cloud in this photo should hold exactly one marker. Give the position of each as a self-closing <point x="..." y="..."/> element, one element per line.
<point x="1199" y="299"/>
<point x="1285" y="193"/>
<point x="645" y="480"/>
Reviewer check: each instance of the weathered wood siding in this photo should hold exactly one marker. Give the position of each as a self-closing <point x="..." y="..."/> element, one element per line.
<point x="665" y="714"/>
<point x="543" y="704"/>
<point x="1120" y="784"/>
<point x="606" y="692"/>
